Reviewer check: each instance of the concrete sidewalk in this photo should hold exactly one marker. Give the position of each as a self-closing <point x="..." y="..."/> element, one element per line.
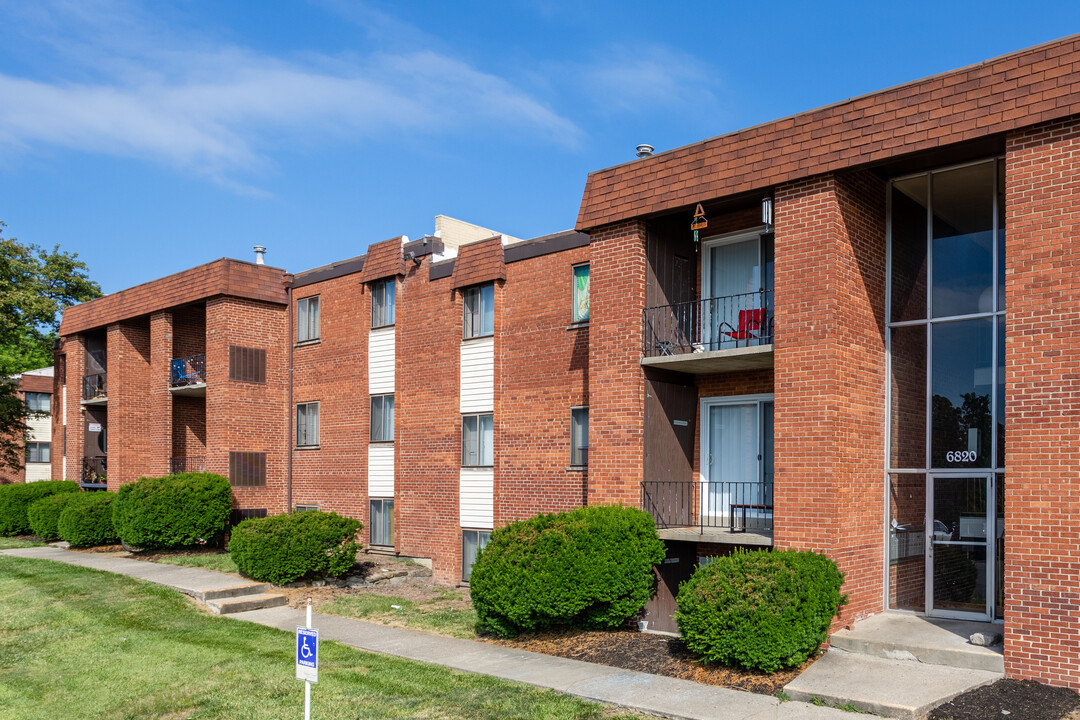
<point x="640" y="692"/>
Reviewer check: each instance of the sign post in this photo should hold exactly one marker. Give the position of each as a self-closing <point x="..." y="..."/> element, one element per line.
<point x="307" y="659"/>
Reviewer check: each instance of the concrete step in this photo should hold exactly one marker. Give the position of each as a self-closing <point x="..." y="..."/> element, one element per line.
<point x="231" y="591"/>
<point x="892" y="688"/>
<point x="230" y="605"/>
<point x="932" y="641"/>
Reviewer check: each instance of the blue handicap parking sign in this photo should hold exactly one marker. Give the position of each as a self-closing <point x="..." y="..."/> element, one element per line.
<point x="307" y="654"/>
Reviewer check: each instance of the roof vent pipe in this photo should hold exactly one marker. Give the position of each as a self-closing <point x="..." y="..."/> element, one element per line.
<point x="260" y="250"/>
<point x="644" y="151"/>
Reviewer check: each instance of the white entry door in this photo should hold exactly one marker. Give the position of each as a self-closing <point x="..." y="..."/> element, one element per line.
<point x="737" y="462"/>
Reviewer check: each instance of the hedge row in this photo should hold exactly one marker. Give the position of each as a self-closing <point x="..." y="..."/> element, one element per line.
<point x="15" y="502"/>
<point x="284" y="548"/>
<point x="173" y="511"/>
<point x="86" y="521"/>
<point x="44" y="514"/>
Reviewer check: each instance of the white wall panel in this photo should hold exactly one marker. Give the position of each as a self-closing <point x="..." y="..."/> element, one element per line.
<point x="381" y="471"/>
<point x="38" y="471"/>
<point x="40" y="428"/>
<point x="477" y="498"/>
<point x="478" y="375"/>
<point x="381" y="361"/>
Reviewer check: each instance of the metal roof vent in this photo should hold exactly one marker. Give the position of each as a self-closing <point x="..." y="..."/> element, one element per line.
<point x="645" y="150"/>
<point x="260" y="250"/>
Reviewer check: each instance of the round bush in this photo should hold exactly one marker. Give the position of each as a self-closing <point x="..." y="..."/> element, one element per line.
<point x="284" y="548"/>
<point x="15" y="502"/>
<point x="87" y="520"/>
<point x="590" y="567"/>
<point x="44" y="514"/>
<point x="174" y="511"/>
<point x="761" y="610"/>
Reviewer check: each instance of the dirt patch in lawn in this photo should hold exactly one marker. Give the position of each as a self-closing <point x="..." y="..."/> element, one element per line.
<point x="1019" y="699"/>
<point x="650" y="653"/>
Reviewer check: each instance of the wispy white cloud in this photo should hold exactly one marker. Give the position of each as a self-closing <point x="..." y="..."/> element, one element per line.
<point x="220" y="110"/>
<point x="643" y="78"/>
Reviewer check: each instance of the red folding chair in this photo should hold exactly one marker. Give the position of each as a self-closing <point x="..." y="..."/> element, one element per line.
<point x="749" y="324"/>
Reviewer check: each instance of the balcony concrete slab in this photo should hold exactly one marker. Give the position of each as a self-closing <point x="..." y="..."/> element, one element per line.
<point x="720" y="536"/>
<point x="715" y="361"/>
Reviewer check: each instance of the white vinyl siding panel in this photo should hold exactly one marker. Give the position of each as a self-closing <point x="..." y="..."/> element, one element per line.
<point x="380" y="465"/>
<point x="478" y="375"/>
<point x="381" y="361"/>
<point x="36" y="472"/>
<point x="40" y="429"/>
<point x="477" y="498"/>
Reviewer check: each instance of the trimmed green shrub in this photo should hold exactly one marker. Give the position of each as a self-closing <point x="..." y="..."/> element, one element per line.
<point x="15" y="502"/>
<point x="590" y="567"/>
<point x="173" y="511"/>
<point x="87" y="520"/>
<point x="44" y="514"/>
<point x="284" y="548"/>
<point x="761" y="610"/>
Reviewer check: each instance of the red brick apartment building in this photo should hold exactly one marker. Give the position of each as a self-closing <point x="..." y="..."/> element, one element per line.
<point x="35" y="389"/>
<point x="875" y="291"/>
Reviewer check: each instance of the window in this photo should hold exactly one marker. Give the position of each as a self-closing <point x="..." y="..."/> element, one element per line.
<point x="383" y="302"/>
<point x="382" y="418"/>
<point x="579" y="436"/>
<point x="306" y="508"/>
<point x="307" y="319"/>
<point x="479" y="310"/>
<point x="307" y="424"/>
<point x="247" y="469"/>
<point x="581" y="293"/>
<point x="477" y="440"/>
<point x="247" y="364"/>
<point x="38" y="452"/>
<point x="472" y="542"/>
<point x="382" y="522"/>
<point x="38" y="402"/>
<point x="238" y="516"/>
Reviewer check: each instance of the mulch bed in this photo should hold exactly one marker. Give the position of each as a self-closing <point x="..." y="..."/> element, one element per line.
<point x="1013" y="699"/>
<point x="650" y="653"/>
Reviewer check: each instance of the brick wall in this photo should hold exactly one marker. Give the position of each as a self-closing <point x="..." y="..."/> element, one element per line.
<point x="830" y="377"/>
<point x="159" y="399"/>
<point x="130" y="405"/>
<point x="1042" y="405"/>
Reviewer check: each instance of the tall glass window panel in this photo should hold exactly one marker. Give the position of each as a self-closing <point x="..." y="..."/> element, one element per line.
<point x="38" y="452"/>
<point x="907" y="541"/>
<point x="907" y="397"/>
<point x="38" y="402"/>
<point x="382" y="522"/>
<point x="383" y="302"/>
<point x="307" y="319"/>
<point x="472" y="542"/>
<point x="963" y="242"/>
<point x="999" y="410"/>
<point x="581" y="293"/>
<point x="477" y="440"/>
<point x="961" y="387"/>
<point x="579" y="436"/>
<point x="307" y="424"/>
<point x="999" y="551"/>
<point x="382" y="418"/>
<point x="733" y="457"/>
<point x="909" y="198"/>
<point x="479" y="311"/>
<point x="1001" y="233"/>
<point x="767" y="451"/>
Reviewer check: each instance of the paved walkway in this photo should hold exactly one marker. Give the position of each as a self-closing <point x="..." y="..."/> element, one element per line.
<point x="640" y="692"/>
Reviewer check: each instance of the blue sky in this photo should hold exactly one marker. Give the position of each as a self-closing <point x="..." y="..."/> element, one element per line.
<point x="151" y="137"/>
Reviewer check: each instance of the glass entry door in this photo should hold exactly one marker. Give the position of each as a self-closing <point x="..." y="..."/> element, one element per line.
<point x="738" y="457"/>
<point x="960" y="530"/>
<point x="731" y="281"/>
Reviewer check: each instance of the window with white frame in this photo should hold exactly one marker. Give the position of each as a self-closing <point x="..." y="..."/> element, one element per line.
<point x="472" y="542"/>
<point x="477" y="440"/>
<point x="383" y="302"/>
<point x="307" y="424"/>
<point x="479" y="304"/>
<point x="38" y="402"/>
<point x="381" y="521"/>
<point x="306" y="508"/>
<point x="382" y="418"/>
<point x="581" y="294"/>
<point x="307" y="319"/>
<point x="579" y="436"/>
<point x="38" y="452"/>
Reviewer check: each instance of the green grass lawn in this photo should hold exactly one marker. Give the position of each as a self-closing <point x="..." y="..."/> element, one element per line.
<point x="442" y="615"/>
<point x="8" y="543"/>
<point x="78" y="643"/>
<point x="221" y="563"/>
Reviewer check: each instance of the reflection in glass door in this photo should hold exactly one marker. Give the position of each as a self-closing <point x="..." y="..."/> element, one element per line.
<point x="960" y="547"/>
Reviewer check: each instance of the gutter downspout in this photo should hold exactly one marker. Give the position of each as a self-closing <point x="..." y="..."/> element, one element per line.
<point x="289" y="409"/>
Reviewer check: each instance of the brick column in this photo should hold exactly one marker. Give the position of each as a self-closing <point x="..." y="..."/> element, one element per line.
<point x="830" y="377"/>
<point x="159" y="398"/>
<point x="616" y="397"/>
<point x="130" y="418"/>
<point x="71" y="444"/>
<point x="1042" y="405"/>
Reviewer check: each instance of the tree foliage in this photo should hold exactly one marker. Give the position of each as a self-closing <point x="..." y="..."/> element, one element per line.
<point x="36" y="285"/>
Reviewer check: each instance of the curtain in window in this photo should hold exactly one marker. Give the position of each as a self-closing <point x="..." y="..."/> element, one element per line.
<point x="733" y="450"/>
<point x="581" y="293"/>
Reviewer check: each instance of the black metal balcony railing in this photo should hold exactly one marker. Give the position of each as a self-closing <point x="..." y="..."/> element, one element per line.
<point x="93" y="470"/>
<point x="717" y="323"/>
<point x="190" y="370"/>
<point x="94" y="387"/>
<point x="186" y="465"/>
<point x="734" y="506"/>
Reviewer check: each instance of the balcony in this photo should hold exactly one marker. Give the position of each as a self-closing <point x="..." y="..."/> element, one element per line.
<point x="93" y="473"/>
<point x="187" y="465"/>
<point x="712" y="335"/>
<point x="738" y="513"/>
<point x="187" y="375"/>
<point x="94" y="389"/>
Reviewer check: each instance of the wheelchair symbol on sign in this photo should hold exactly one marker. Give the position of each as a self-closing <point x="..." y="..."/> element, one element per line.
<point x="305" y="651"/>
